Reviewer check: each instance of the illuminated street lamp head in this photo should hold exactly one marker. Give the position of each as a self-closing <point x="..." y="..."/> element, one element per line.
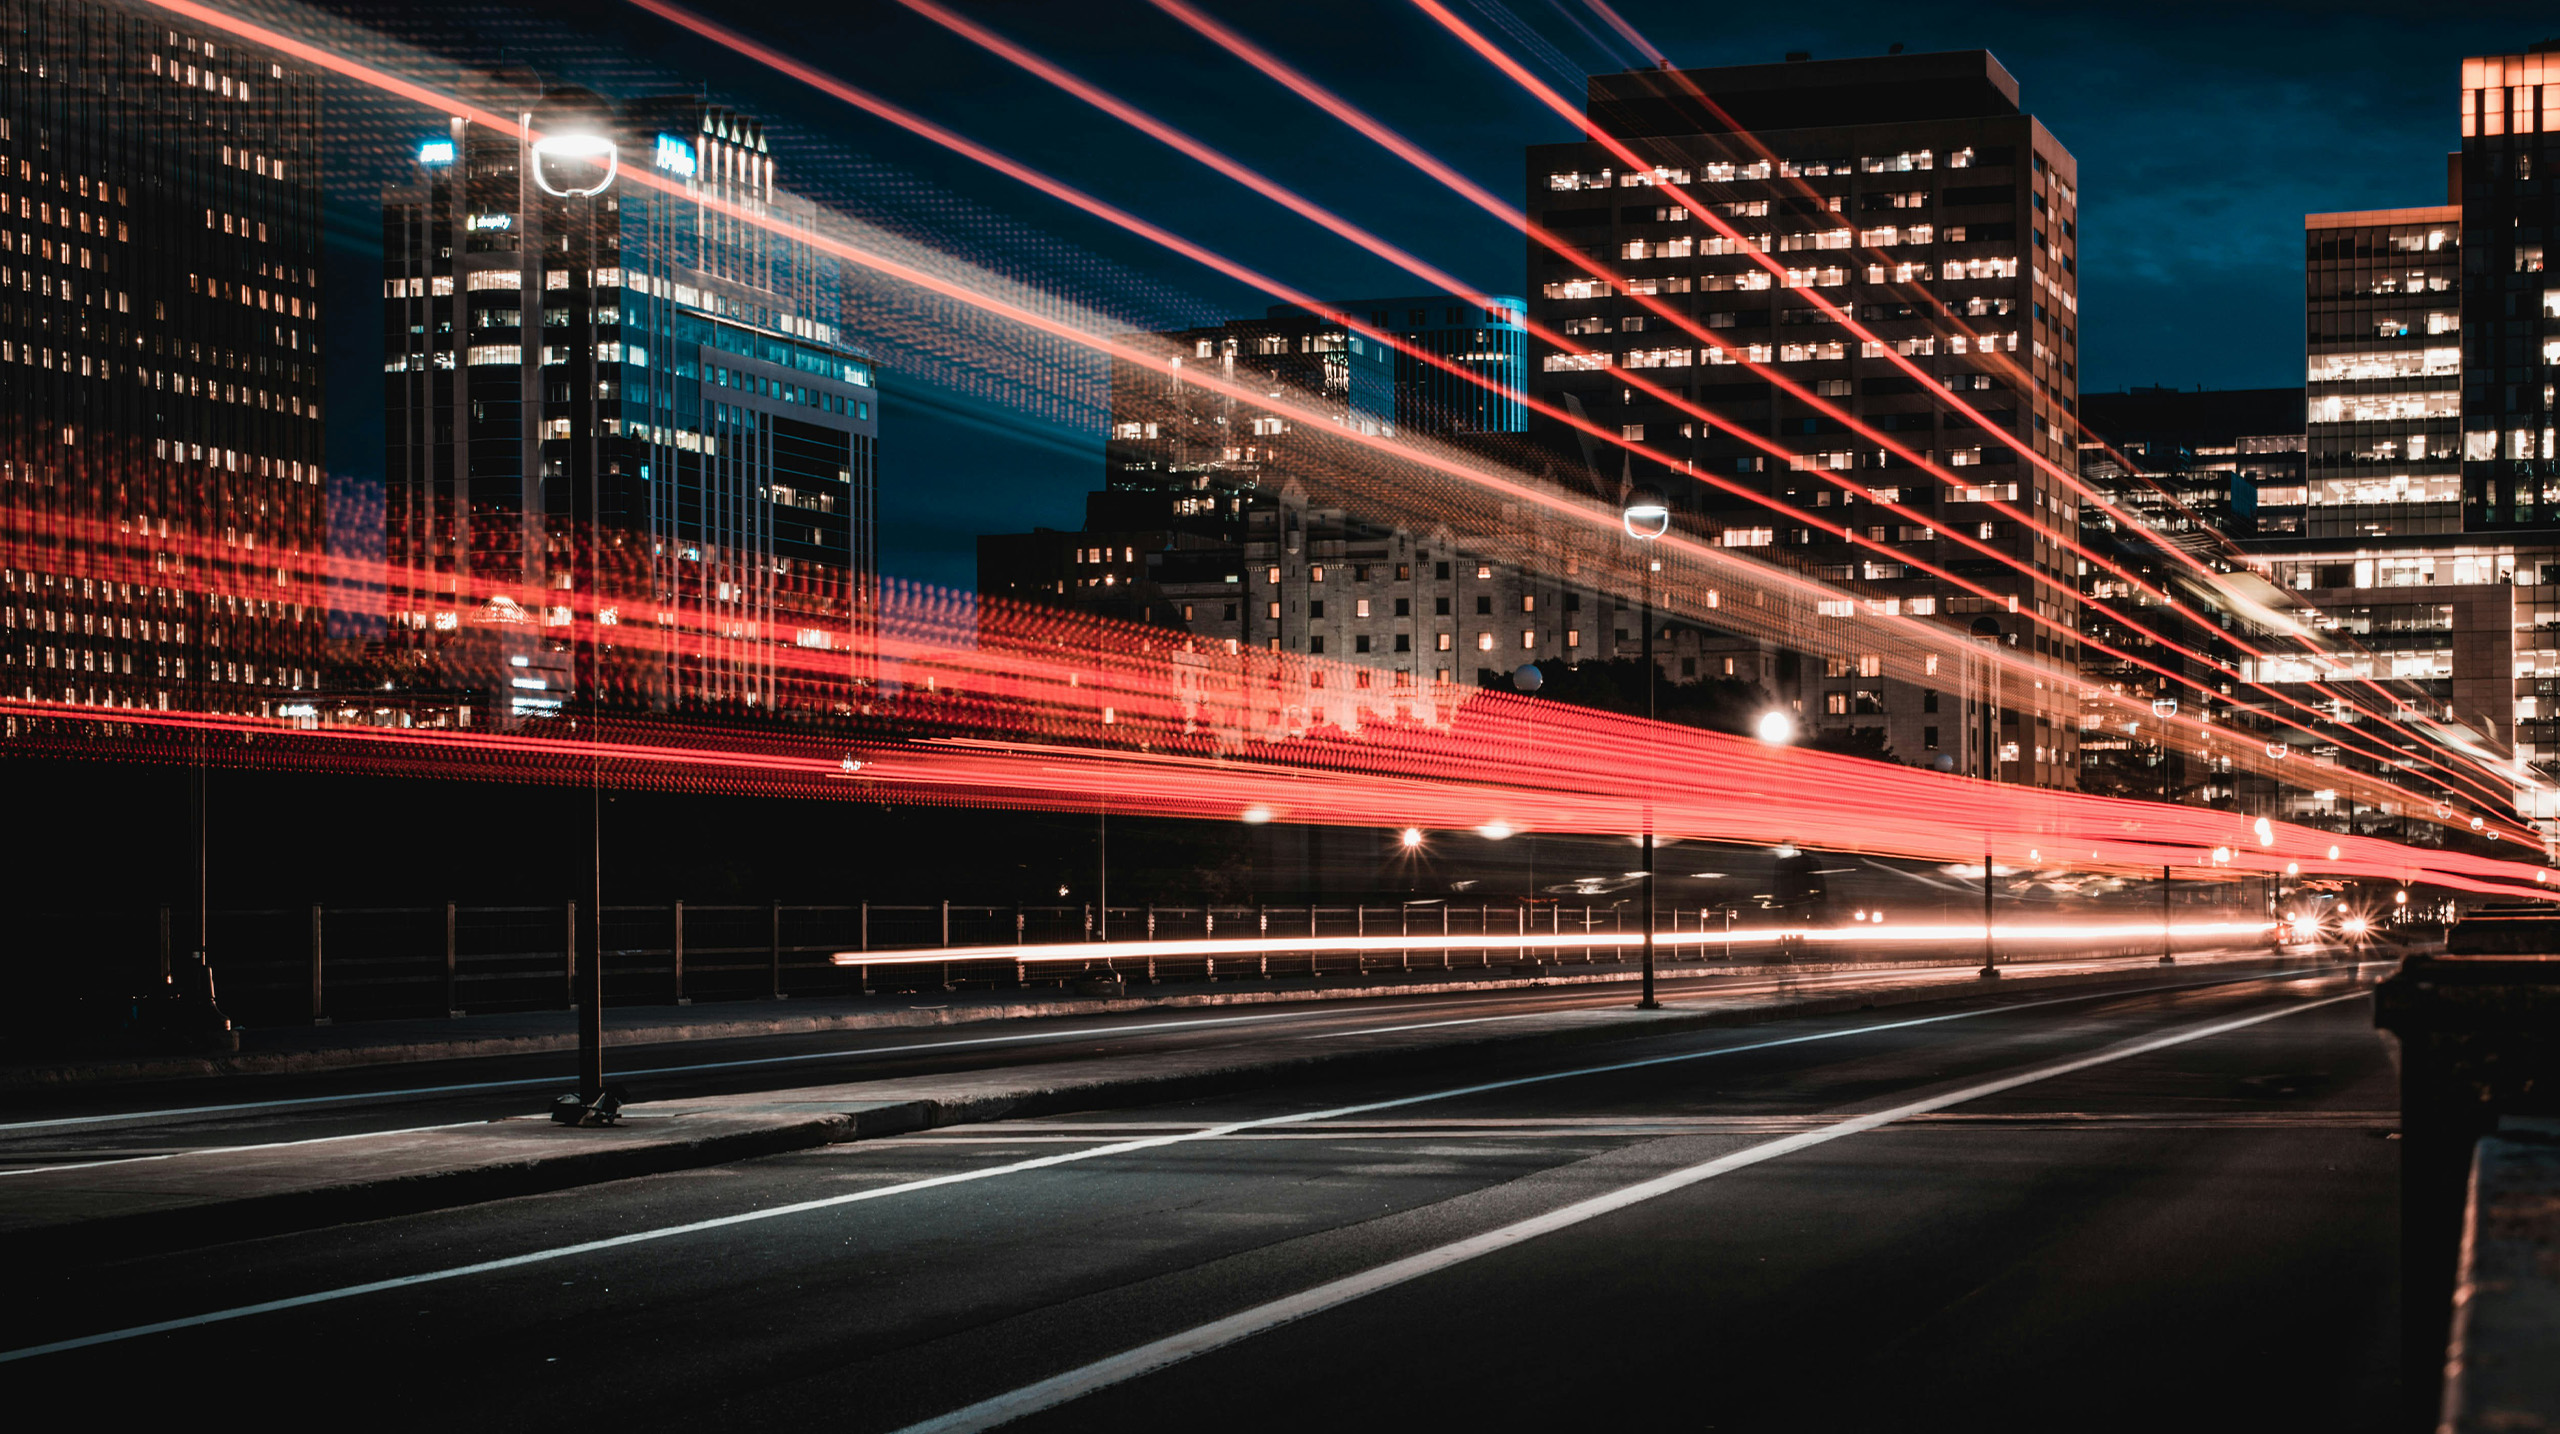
<point x="1647" y="514"/>
<point x="1412" y="838"/>
<point x="574" y="156"/>
<point x="1776" y="728"/>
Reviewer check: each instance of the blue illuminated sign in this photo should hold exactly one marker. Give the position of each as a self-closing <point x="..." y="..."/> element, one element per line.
<point x="436" y="151"/>
<point x="675" y="155"/>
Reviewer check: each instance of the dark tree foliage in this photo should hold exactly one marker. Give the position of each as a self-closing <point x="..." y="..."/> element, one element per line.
<point x="1719" y="704"/>
<point x="1868" y="742"/>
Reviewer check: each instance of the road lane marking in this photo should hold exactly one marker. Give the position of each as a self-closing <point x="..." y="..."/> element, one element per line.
<point x="1044" y="1162"/>
<point x="1162" y="1354"/>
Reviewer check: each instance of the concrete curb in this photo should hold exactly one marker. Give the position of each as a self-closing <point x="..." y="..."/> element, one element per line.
<point x="2502" y="1371"/>
<point x="787" y="1120"/>
<point x="783" y="1021"/>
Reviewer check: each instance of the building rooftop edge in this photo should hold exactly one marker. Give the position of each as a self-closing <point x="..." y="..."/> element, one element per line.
<point x="2361" y="218"/>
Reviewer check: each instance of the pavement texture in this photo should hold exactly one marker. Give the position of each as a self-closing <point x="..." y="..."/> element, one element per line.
<point x="2503" y="1373"/>
<point x="2104" y="1207"/>
<point x="71" y="1205"/>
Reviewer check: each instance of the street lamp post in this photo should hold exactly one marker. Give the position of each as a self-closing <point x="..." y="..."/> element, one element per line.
<point x="575" y="160"/>
<point x="2168" y="952"/>
<point x="1986" y="631"/>
<point x="1647" y="516"/>
<point x="1528" y="679"/>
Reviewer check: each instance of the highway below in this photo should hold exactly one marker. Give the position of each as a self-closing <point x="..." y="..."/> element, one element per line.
<point x="2167" y="1202"/>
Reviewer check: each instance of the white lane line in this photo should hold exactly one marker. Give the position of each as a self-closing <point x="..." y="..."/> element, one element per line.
<point x="1217" y="1334"/>
<point x="238" y="1149"/>
<point x="1122" y="1147"/>
<point x="1902" y="978"/>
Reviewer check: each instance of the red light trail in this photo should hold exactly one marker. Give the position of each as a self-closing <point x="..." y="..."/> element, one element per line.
<point x="1386" y="137"/>
<point x="1460" y="787"/>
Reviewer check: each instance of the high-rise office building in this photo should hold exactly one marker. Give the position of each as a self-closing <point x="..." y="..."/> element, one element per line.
<point x="2382" y="322"/>
<point x="734" y="425"/>
<point x="2431" y="548"/>
<point x="1206" y="522"/>
<point x="2211" y="461"/>
<point x="1912" y="192"/>
<point x="2510" y="117"/>
<point x="2175" y="471"/>
<point x="1210" y="458"/>
<point x="160" y="448"/>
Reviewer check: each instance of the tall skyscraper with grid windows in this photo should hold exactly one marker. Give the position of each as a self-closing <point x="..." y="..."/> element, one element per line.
<point x="1914" y="194"/>
<point x="161" y="489"/>
<point x="733" y="425"/>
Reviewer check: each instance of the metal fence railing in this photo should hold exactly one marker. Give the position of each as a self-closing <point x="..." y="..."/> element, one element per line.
<point x="307" y="964"/>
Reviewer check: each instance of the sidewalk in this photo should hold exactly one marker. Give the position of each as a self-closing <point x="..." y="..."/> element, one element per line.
<point x="284" y="1050"/>
<point x="77" y="1213"/>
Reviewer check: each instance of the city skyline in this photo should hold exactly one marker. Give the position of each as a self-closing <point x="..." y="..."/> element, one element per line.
<point x="2180" y="224"/>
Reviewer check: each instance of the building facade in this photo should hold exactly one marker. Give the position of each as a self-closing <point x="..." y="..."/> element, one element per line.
<point x="1912" y="192"/>
<point x="1206" y="522"/>
<point x="2510" y="115"/>
<point x="732" y="430"/>
<point x="2191" y="471"/>
<point x="2382" y="326"/>
<point x="161" y="478"/>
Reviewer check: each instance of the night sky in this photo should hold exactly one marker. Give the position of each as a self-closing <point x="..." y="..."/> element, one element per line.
<point x="2203" y="132"/>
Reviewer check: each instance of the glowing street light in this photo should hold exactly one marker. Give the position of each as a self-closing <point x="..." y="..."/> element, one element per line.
<point x="574" y="158"/>
<point x="1412" y="838"/>
<point x="1776" y="728"/>
<point x="1647" y="515"/>
<point x="575" y="163"/>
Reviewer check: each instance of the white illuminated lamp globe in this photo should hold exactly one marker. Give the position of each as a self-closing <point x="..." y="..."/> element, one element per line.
<point x="1412" y="838"/>
<point x="1776" y="728"/>
<point x="573" y="155"/>
<point x="2266" y="832"/>
<point x="1647" y="515"/>
<point x="1256" y="816"/>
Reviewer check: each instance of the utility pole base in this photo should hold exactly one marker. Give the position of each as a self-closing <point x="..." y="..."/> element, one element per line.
<point x="2167" y="960"/>
<point x="1648" y="1005"/>
<point x="1990" y="973"/>
<point x="605" y="1109"/>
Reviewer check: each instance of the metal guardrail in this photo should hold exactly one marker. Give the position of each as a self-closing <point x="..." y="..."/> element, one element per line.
<point x="320" y="964"/>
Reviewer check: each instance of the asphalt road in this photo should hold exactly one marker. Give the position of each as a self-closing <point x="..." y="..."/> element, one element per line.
<point x="2025" y="1210"/>
<point x="47" y="1127"/>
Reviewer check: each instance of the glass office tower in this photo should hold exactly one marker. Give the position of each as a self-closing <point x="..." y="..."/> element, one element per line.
<point x="734" y="426"/>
